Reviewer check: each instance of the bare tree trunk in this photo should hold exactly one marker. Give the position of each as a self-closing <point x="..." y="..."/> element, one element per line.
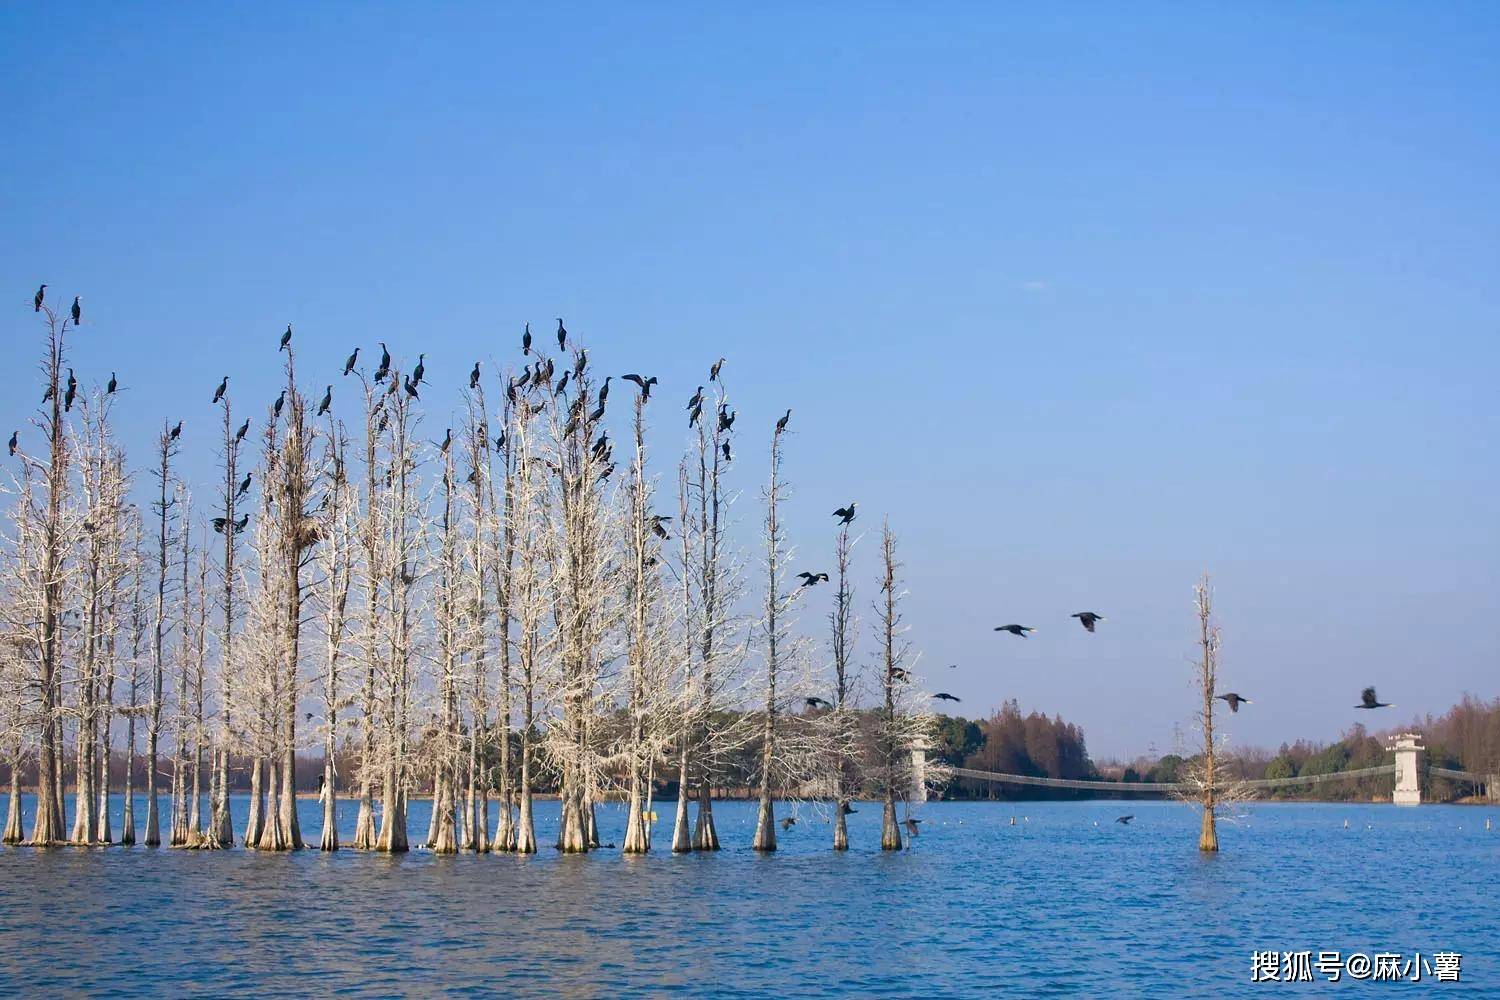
<point x="255" y="817"/>
<point x="1208" y="838"/>
<point x="12" y="833"/>
<point x="890" y="832"/>
<point x="765" y="818"/>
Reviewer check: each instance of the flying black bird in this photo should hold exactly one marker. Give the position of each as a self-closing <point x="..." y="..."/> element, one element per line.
<point x="219" y="523"/>
<point x="244" y="485"/>
<point x="945" y="696"/>
<point x="276" y="406"/>
<point x="1088" y="619"/>
<point x="1019" y="630"/>
<point x="114" y="384"/>
<point x="727" y="456"/>
<point x="223" y="386"/>
<point x="845" y="514"/>
<point x="447" y="440"/>
<point x="912" y="828"/>
<point x="474" y="376"/>
<point x="350" y="361"/>
<point x="1367" y="700"/>
<point x="176" y="432"/>
<point x="327" y="401"/>
<point x="781" y="424"/>
<point x="788" y="823"/>
<point x="239" y="435"/>
<point x="71" y="393"/>
<point x="898" y="674"/>
<point x="411" y="388"/>
<point x="526" y="340"/>
<point x="813" y="579"/>
<point x="14" y="437"/>
<point x="77" y="311"/>
<point x="420" y="371"/>
<point x="1235" y="701"/>
<point x="1125" y="820"/>
<point x="562" y="383"/>
<point x="562" y="335"/>
<point x="286" y="338"/>
<point x="713" y="373"/>
<point x="697" y="401"/>
<point x="36" y="303"/>
<point x="656" y="528"/>
<point x="644" y="383"/>
<point x="815" y="702"/>
<point x="604" y="390"/>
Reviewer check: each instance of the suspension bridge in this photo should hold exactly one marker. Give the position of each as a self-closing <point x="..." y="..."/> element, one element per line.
<point x="1406" y="768"/>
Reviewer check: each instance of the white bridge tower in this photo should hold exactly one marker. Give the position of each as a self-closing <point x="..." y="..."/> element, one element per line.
<point x="1408" y="749"/>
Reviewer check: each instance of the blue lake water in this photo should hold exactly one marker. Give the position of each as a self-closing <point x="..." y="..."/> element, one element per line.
<point x="1064" y="902"/>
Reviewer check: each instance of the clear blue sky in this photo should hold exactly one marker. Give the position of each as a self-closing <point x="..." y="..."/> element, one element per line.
<point x="1088" y="298"/>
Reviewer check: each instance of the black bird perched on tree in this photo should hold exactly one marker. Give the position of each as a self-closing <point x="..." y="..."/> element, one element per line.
<point x="49" y="393"/>
<point x="327" y="401"/>
<point x="114" y="383"/>
<point x="526" y="340"/>
<point x="898" y="674"/>
<point x="812" y="579"/>
<point x="814" y="702"/>
<point x="1019" y="630"/>
<point x="350" y="362"/>
<point x="1125" y="820"/>
<point x="781" y="424"/>
<point x="696" y="402"/>
<point x="713" y="373"/>
<point x="601" y="444"/>
<point x="562" y="335"/>
<point x="14" y="438"/>
<point x="223" y="387"/>
<point x="239" y="435"/>
<point x="474" y="376"/>
<point x="176" y="432"/>
<point x="1235" y="701"/>
<point x="286" y="338"/>
<point x="845" y="514"/>
<point x="219" y="523"/>
<point x="447" y="440"/>
<point x="912" y="827"/>
<point x="693" y="417"/>
<point x="276" y="406"/>
<point x="656" y="528"/>
<point x="608" y="470"/>
<point x="500" y="442"/>
<point x="727" y="456"/>
<point x="644" y="383"/>
<point x="385" y="362"/>
<point x="244" y="485"/>
<point x="598" y="413"/>
<point x="562" y="383"/>
<point x="1088" y="619"/>
<point x="411" y="388"/>
<point x="71" y="393"/>
<point x="419" y="372"/>
<point x="945" y="696"/>
<point x="36" y="303"/>
<point x="1367" y="700"/>
<point x="581" y="363"/>
<point x="525" y="378"/>
<point x="240" y="524"/>
<point x="726" y="418"/>
<point x="604" y="390"/>
<point x="77" y="311"/>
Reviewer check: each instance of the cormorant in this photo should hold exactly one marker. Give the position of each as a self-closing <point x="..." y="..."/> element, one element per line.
<point x="1235" y="701"/>
<point x="899" y="674"/>
<point x="239" y="435"/>
<point x="447" y="440"/>
<point x="1019" y="630"/>
<point x="244" y="485"/>
<point x="411" y="388"/>
<point x="77" y="311"/>
<point x="644" y="383"/>
<point x="562" y="335"/>
<point x="1088" y="619"/>
<point x="240" y="524"/>
<point x="697" y="401"/>
<point x="418" y="372"/>
<point x="276" y="406"/>
<point x="385" y="362"/>
<point x="581" y="363"/>
<point x="327" y="401"/>
<point x="1367" y="700"/>
<point x="788" y="823"/>
<point x="219" y="392"/>
<point x="349" y="363"/>
<point x="945" y="696"/>
<point x="474" y="376"/>
<point x="14" y="437"/>
<point x="781" y="424"/>
<point x="36" y="303"/>
<point x="726" y="418"/>
<point x="176" y="432"/>
<point x="812" y="579"/>
<point x="114" y="384"/>
<point x="526" y="340"/>
<point x="219" y="523"/>
<point x="562" y="383"/>
<point x="727" y="456"/>
<point x="286" y="338"/>
<point x="695" y="415"/>
<point x="71" y="393"/>
<point x="815" y="702"/>
<point x="604" y="390"/>
<point x="713" y="373"/>
<point x="845" y="514"/>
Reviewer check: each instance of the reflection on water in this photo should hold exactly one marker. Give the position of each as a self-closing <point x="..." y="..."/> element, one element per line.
<point x="1064" y="901"/>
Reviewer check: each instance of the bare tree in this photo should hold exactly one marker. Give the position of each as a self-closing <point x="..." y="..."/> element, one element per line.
<point x="338" y="530"/>
<point x="775" y="636"/>
<point x="842" y="720"/>
<point x="166" y="518"/>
